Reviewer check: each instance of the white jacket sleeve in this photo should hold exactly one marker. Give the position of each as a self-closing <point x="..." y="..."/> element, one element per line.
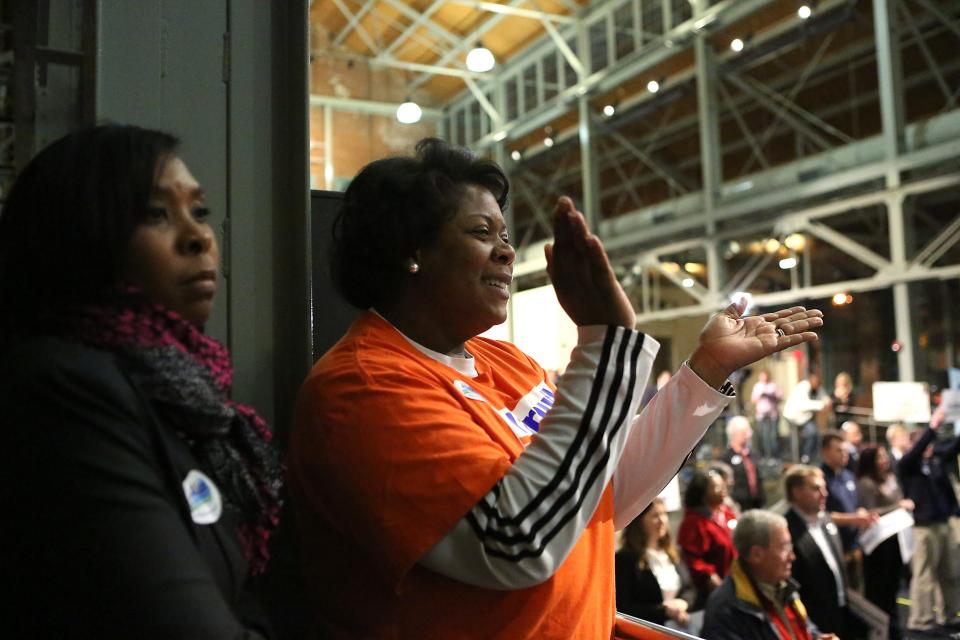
<point x="661" y="438"/>
<point x="525" y="527"/>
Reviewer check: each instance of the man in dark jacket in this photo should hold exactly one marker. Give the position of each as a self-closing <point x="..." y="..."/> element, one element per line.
<point x="758" y="600"/>
<point x="935" y="562"/>
<point x="747" y="482"/>
<point x="818" y="567"/>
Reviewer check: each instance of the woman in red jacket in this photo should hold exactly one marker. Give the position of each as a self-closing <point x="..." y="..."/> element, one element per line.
<point x="706" y="533"/>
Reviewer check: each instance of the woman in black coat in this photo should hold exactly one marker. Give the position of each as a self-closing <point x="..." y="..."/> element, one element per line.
<point x="652" y="582"/>
<point x="883" y="568"/>
<point x="138" y="496"/>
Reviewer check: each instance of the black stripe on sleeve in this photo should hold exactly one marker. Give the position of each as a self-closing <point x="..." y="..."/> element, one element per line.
<point x="578" y="490"/>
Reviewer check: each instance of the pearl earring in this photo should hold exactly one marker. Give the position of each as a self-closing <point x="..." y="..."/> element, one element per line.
<point x="413" y="267"/>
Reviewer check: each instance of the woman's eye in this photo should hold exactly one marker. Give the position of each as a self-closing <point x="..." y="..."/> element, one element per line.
<point x="482" y="231"/>
<point x="156" y="214"/>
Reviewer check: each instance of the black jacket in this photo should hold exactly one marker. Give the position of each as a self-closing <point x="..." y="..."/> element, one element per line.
<point x="818" y="586"/>
<point x="734" y="611"/>
<point x="926" y="481"/>
<point x="98" y="538"/>
<point x="638" y="592"/>
<point x="741" y="486"/>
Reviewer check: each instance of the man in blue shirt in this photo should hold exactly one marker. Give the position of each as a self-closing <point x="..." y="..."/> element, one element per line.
<point x="843" y="503"/>
<point x="935" y="562"/>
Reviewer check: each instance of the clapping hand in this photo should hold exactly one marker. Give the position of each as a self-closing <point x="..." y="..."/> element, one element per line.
<point x="586" y="286"/>
<point x="729" y="342"/>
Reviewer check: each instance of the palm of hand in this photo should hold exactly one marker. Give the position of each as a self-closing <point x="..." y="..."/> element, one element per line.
<point x="729" y="342"/>
<point x="736" y="342"/>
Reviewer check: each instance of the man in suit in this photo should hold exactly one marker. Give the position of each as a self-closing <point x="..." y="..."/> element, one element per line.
<point x="747" y="482"/>
<point x="818" y="567"/>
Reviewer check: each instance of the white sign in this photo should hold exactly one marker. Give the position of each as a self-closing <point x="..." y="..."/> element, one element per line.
<point x="950" y="401"/>
<point x="901" y="402"/>
<point x="888" y="525"/>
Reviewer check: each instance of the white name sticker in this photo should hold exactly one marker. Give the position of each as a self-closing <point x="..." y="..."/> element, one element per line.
<point x="203" y="497"/>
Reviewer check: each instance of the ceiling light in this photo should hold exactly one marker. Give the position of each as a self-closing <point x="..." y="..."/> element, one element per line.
<point x="734" y="247"/>
<point x="795" y="241"/>
<point x="788" y="263"/>
<point x="609" y="110"/>
<point x="409" y="112"/>
<point x="804" y="12"/>
<point x="516" y="155"/>
<point x="688" y="282"/>
<point x="480" y="59"/>
<point x="548" y="141"/>
<point x="772" y="245"/>
<point x="653" y="86"/>
<point x="737" y="45"/>
<point x="694" y="267"/>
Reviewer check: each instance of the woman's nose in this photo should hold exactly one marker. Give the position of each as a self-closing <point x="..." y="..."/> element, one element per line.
<point x="196" y="238"/>
<point x="505" y="253"/>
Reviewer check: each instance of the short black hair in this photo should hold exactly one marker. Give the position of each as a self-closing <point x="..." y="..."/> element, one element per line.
<point x="396" y="206"/>
<point x="695" y="495"/>
<point x="829" y="437"/>
<point x="70" y="215"/>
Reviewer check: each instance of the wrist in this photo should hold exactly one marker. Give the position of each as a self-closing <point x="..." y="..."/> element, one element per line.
<point x="707" y="368"/>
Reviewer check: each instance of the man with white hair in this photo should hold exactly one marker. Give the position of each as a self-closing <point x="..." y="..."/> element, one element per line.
<point x="747" y="482"/>
<point x="758" y="600"/>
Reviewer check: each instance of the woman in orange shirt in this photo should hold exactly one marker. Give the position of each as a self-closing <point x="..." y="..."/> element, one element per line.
<point x="444" y="486"/>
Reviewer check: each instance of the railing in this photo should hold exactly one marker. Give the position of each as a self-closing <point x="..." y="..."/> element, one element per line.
<point x="630" y="628"/>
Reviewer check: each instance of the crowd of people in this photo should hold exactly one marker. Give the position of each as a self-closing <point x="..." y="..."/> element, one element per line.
<point x="819" y="561"/>
<point x="443" y="485"/>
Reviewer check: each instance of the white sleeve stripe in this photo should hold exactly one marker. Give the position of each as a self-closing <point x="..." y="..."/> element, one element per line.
<point x="575" y="447"/>
<point x="599" y="446"/>
<point x="572" y="450"/>
<point x="597" y="469"/>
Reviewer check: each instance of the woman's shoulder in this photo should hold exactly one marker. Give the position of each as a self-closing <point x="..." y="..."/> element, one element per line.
<point x="48" y="368"/>
<point x="46" y="355"/>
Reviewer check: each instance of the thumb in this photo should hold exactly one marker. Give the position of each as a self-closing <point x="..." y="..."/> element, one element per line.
<point x="736" y="308"/>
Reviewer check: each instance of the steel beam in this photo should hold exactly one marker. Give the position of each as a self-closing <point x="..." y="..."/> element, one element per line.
<point x="493" y="7"/>
<point x="890" y="72"/>
<point x="413" y="26"/>
<point x="353" y="21"/>
<point x="782" y="298"/>
<point x="429" y="68"/>
<point x="850" y="247"/>
<point x="430" y="25"/>
<point x="350" y="16"/>
<point x="485" y="104"/>
<point x="697" y="291"/>
<point x="369" y="107"/>
<point x="939" y="245"/>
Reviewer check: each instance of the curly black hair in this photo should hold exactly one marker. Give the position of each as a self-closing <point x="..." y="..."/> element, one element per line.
<point x="397" y="205"/>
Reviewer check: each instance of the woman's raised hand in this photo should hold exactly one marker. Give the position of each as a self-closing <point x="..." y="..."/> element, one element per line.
<point x="729" y="342"/>
<point x="586" y="286"/>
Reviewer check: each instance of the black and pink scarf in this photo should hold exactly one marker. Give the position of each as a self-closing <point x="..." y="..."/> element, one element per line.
<point x="187" y="376"/>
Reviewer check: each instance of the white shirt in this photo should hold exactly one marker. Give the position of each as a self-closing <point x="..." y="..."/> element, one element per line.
<point x="815" y="527"/>
<point x="665" y="572"/>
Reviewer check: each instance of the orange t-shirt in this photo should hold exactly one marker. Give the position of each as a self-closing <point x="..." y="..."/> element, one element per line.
<point x="390" y="449"/>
